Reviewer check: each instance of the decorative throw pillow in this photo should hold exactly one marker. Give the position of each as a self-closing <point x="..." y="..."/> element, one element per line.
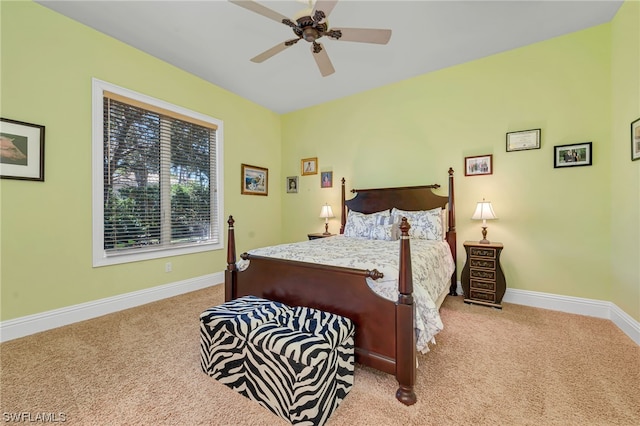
<point x="360" y="225"/>
<point x="425" y="224"/>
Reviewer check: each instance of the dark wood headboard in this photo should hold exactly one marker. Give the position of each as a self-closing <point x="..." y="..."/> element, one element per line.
<point x="405" y="198"/>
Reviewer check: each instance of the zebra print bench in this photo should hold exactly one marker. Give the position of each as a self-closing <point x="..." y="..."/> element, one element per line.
<point x="297" y="362"/>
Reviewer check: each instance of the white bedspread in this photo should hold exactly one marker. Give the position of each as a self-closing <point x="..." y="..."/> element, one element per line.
<point x="431" y="264"/>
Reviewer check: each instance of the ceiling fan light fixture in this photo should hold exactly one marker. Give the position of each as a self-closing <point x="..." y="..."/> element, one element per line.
<point x="310" y="34"/>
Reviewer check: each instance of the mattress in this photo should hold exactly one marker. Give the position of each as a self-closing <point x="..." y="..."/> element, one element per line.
<point x="431" y="263"/>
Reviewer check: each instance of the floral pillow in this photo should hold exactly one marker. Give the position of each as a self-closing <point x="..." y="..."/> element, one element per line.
<point x="360" y="225"/>
<point x="425" y="224"/>
<point x="388" y="232"/>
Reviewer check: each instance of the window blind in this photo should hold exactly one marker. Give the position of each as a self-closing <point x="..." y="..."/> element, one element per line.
<point x="158" y="171"/>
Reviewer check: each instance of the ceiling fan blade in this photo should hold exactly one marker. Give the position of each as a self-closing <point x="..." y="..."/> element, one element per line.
<point x="322" y="59"/>
<point x="271" y="52"/>
<point x="324" y="5"/>
<point x="259" y="9"/>
<point x="364" y="35"/>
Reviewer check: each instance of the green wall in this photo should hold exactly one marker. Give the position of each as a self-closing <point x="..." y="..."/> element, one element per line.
<point x="572" y="231"/>
<point x="48" y="62"/>
<point x="625" y="174"/>
<point x="559" y="226"/>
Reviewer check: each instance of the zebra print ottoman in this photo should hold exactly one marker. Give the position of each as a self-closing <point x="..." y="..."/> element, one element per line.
<point x="223" y="334"/>
<point x="298" y="363"/>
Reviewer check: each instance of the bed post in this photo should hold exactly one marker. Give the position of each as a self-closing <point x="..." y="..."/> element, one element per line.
<point x="405" y="324"/>
<point x="230" y="275"/>
<point x="451" y="236"/>
<point x="343" y="219"/>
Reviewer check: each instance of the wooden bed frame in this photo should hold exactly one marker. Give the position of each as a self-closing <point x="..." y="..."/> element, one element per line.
<point x="385" y="336"/>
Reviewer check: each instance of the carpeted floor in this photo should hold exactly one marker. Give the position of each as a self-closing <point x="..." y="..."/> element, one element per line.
<point x="518" y="366"/>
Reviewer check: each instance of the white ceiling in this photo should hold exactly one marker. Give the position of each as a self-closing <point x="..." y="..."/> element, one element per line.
<point x="215" y="39"/>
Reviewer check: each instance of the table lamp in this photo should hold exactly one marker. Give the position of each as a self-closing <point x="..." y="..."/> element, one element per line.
<point x="325" y="214"/>
<point x="484" y="211"/>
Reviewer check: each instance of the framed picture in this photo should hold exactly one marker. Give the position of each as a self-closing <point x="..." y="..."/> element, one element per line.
<point x="635" y="140"/>
<point x="21" y="150"/>
<point x="255" y="180"/>
<point x="326" y="179"/>
<point x="478" y="165"/>
<point x="309" y="166"/>
<point x="577" y="154"/>
<point x="523" y="140"/>
<point x="292" y="184"/>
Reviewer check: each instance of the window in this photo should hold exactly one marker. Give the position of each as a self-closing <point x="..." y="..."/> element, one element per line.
<point x="156" y="178"/>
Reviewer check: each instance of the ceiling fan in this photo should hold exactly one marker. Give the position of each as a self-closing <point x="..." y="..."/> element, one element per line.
<point x="310" y="26"/>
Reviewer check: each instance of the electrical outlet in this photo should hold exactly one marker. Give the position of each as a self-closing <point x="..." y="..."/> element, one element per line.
<point x="167" y="267"/>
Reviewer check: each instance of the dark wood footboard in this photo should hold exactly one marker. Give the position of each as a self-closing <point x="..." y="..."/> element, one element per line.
<point x="385" y="337"/>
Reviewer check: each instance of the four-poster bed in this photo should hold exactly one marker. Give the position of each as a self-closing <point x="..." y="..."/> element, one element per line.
<point x="385" y="335"/>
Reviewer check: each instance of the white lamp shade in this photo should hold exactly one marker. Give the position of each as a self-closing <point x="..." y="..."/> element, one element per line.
<point x="326" y="212"/>
<point x="484" y="211"/>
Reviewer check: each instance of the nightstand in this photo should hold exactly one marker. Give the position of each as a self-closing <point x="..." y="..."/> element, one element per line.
<point x="319" y="235"/>
<point x="482" y="278"/>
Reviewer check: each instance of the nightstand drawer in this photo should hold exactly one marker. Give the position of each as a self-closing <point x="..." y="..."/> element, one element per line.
<point x="481" y="295"/>
<point x="482" y="252"/>
<point x="483" y="285"/>
<point x="482" y="274"/>
<point x="482" y="263"/>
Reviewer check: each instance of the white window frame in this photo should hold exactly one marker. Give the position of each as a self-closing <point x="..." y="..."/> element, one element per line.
<point x="100" y="256"/>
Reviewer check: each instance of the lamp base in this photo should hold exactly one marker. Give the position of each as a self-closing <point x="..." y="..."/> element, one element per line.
<point x="484" y="236"/>
<point x="326" y="229"/>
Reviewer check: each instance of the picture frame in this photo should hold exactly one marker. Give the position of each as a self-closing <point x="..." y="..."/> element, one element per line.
<point x="309" y="166"/>
<point x="572" y="155"/>
<point x="478" y="165"/>
<point x="255" y="180"/>
<point x="635" y="140"/>
<point x="292" y="185"/>
<point x="523" y="140"/>
<point x="326" y="179"/>
<point x="21" y="150"/>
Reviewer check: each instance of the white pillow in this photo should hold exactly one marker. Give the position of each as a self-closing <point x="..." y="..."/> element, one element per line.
<point x="425" y="224"/>
<point x="388" y="232"/>
<point x="360" y="225"/>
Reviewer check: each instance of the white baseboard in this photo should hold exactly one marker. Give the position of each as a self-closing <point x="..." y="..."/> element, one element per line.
<point x="577" y="305"/>
<point x="574" y="305"/>
<point x="31" y="324"/>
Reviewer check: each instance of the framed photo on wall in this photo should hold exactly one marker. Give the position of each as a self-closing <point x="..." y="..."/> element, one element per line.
<point x="523" y="140"/>
<point x="255" y="180"/>
<point x="635" y="140"/>
<point x="478" y="165"/>
<point x="309" y="166"/>
<point x="326" y="179"/>
<point x="292" y="184"/>
<point x="21" y="150"/>
<point x="573" y="155"/>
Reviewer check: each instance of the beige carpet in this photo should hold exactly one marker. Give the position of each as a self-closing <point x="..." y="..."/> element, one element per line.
<point x="518" y="366"/>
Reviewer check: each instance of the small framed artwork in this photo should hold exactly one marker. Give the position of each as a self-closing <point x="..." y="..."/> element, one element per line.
<point x="292" y="184"/>
<point x="577" y="154"/>
<point x="21" y="150"/>
<point x="326" y="179"/>
<point x="255" y="180"/>
<point x="635" y="140"/>
<point x="523" y="140"/>
<point x="309" y="166"/>
<point x="478" y="165"/>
